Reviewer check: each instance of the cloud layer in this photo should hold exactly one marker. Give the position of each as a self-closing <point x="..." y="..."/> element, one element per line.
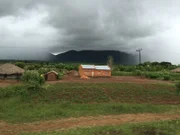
<point x="125" y="25"/>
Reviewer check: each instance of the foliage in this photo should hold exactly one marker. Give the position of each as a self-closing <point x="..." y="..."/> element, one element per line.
<point x="32" y="77"/>
<point x="29" y="110"/>
<point x="60" y="75"/>
<point x="178" y="88"/>
<point x="110" y="61"/>
<point x="152" y="75"/>
<point x="33" y="82"/>
<point x="20" y="64"/>
<point x="119" y="73"/>
<point x="12" y="91"/>
<point x="64" y="100"/>
<point x="167" y="77"/>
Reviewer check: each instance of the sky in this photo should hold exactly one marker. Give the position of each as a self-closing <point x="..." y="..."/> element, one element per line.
<point x="29" y="28"/>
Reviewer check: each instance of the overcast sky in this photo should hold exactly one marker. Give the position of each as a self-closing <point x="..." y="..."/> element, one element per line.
<point x="60" y="25"/>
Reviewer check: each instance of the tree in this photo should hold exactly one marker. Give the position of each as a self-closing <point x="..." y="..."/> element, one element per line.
<point x="110" y="61"/>
<point x="33" y="81"/>
<point x="20" y="64"/>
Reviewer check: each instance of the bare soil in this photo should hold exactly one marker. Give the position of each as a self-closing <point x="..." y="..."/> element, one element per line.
<point x="5" y="83"/>
<point x="76" y="79"/>
<point x="61" y="124"/>
<point x="113" y="79"/>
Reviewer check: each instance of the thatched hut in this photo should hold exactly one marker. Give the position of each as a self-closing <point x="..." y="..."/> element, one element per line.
<point x="10" y="71"/>
<point x="177" y="70"/>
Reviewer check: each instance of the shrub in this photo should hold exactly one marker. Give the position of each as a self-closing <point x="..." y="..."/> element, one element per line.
<point x="20" y="64"/>
<point x="152" y="75"/>
<point x="60" y="75"/>
<point x="167" y="77"/>
<point x="32" y="76"/>
<point x="178" y="88"/>
<point x="138" y="73"/>
<point x="12" y="91"/>
<point x="33" y="82"/>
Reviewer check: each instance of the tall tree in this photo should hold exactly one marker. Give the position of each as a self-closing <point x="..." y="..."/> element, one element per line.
<point x="110" y="61"/>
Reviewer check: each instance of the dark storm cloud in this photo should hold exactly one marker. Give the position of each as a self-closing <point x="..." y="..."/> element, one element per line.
<point x="93" y="24"/>
<point x="101" y="23"/>
<point x="12" y="7"/>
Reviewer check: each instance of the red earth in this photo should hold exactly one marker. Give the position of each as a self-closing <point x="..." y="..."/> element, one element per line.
<point x="73" y="79"/>
<point x="113" y="79"/>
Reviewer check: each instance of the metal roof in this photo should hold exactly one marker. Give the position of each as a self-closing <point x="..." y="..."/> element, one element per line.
<point x="88" y="66"/>
<point x="103" y="67"/>
<point x="99" y="67"/>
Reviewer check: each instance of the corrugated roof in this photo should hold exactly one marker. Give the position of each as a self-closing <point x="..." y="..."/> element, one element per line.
<point x="98" y="67"/>
<point x="88" y="66"/>
<point x="103" y="67"/>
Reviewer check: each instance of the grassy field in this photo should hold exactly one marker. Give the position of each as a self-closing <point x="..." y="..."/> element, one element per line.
<point x="111" y="92"/>
<point x="153" y="128"/>
<point x="75" y="100"/>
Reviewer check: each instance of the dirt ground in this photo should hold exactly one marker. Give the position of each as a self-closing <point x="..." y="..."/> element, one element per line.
<point x="75" y="79"/>
<point x="113" y="79"/>
<point x="68" y="123"/>
<point x="4" y="83"/>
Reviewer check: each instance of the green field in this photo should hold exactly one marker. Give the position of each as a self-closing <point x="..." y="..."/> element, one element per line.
<point x="74" y="100"/>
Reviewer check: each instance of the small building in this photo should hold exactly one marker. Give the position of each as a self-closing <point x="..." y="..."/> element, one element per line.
<point x="51" y="76"/>
<point x="10" y="71"/>
<point x="95" y="71"/>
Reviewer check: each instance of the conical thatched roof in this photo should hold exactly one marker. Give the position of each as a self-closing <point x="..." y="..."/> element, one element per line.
<point x="10" y="69"/>
<point x="177" y="70"/>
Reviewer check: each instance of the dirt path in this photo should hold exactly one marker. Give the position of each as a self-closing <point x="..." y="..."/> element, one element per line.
<point x="12" y="129"/>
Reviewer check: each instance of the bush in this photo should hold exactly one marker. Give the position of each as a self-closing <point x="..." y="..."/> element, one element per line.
<point x="167" y="77"/>
<point x="20" y="64"/>
<point x="32" y="76"/>
<point x="60" y="75"/>
<point x="12" y="91"/>
<point x="33" y="82"/>
<point x="152" y="75"/>
<point x="138" y="73"/>
<point x="178" y="88"/>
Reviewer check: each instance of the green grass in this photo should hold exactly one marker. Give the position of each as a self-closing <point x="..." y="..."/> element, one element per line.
<point x="153" y="128"/>
<point x="15" y="111"/>
<point x="159" y="75"/>
<point x="122" y="73"/>
<point x="105" y="93"/>
<point x="74" y="100"/>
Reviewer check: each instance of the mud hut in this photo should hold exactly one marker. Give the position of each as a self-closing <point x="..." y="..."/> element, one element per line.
<point x="51" y="76"/>
<point x="10" y="71"/>
<point x="94" y="71"/>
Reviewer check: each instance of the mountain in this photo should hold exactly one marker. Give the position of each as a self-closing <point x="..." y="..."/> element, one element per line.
<point x="94" y="56"/>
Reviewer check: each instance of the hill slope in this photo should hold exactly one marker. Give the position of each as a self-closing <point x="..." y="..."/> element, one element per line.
<point x="93" y="56"/>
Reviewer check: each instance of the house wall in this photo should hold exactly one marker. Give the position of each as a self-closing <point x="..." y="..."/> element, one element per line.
<point x="102" y="73"/>
<point x="51" y="77"/>
<point x="1" y="76"/>
<point x="14" y="77"/>
<point x="94" y="72"/>
<point x="86" y="72"/>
